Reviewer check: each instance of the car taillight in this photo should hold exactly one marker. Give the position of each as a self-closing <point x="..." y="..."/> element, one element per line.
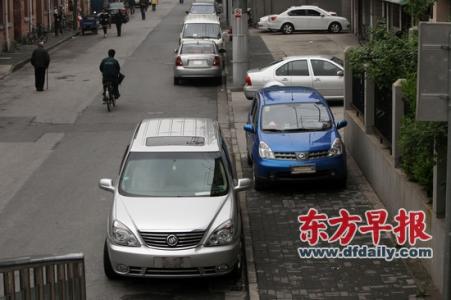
<point x="178" y="61"/>
<point x="248" y="80"/>
<point x="216" y="61"/>
<point x="273" y="18"/>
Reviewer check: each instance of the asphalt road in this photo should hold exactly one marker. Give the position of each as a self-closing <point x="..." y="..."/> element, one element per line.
<point x="57" y="145"/>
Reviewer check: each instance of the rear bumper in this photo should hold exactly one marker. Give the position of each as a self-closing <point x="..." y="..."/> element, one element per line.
<point x="250" y="92"/>
<point x="197" y="72"/>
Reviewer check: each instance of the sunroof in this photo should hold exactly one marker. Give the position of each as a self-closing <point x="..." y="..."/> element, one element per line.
<point x="175" y="141"/>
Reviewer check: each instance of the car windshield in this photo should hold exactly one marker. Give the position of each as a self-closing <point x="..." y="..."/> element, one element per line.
<point x="198" y="49"/>
<point x="312" y="116"/>
<point x="202" y="30"/>
<point x="150" y="174"/>
<point x="337" y="60"/>
<point x="202" y="9"/>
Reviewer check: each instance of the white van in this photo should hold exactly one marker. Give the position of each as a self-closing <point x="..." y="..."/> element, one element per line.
<point x="204" y="27"/>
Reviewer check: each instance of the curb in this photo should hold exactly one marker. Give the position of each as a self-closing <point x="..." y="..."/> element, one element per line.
<point x="23" y="62"/>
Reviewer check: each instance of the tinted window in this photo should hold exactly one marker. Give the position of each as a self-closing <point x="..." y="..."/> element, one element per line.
<point x="283" y="70"/>
<point x="297" y="12"/>
<point x="311" y="12"/>
<point x="198" y="49"/>
<point x="299" y="68"/>
<point x="202" y="9"/>
<point x="296" y="117"/>
<point x="149" y="174"/>
<point x="202" y="30"/>
<point x="324" y="68"/>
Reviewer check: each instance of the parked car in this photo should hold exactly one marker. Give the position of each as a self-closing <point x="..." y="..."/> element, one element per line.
<point x="291" y="135"/>
<point x="200" y="8"/>
<point x="319" y="72"/>
<point x="118" y="7"/>
<point x="175" y="210"/>
<point x="198" y="59"/>
<point x="205" y="27"/>
<point x="305" y="17"/>
<point x="89" y="23"/>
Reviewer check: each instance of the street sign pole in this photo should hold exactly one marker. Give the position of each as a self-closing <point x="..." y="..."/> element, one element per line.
<point x="240" y="53"/>
<point x="447" y="281"/>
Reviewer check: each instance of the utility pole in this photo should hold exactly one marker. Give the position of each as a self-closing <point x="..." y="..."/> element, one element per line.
<point x="30" y="15"/>
<point x="75" y="13"/>
<point x="6" y="24"/>
<point x="240" y="48"/>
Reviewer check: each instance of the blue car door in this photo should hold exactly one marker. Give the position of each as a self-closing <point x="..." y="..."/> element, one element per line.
<point x="251" y="138"/>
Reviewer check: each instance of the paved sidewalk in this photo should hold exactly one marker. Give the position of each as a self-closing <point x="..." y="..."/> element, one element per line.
<point x="272" y="214"/>
<point x="21" y="54"/>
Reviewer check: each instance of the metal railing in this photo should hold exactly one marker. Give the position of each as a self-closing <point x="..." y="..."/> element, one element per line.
<point x="358" y="93"/>
<point x="53" y="277"/>
<point x="383" y="107"/>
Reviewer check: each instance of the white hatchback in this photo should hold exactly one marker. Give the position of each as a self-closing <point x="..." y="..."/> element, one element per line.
<point x="306" y="17"/>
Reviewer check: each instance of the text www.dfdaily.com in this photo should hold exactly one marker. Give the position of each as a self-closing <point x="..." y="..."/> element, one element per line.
<point x="365" y="252"/>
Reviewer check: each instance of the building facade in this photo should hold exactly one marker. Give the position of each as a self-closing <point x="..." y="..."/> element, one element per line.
<point x="19" y="17"/>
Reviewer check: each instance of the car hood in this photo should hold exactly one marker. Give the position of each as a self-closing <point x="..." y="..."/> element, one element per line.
<point x="299" y="141"/>
<point x="170" y="214"/>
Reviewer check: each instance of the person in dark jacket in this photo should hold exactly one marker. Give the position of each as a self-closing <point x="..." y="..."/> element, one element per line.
<point x="110" y="69"/>
<point x="57" y="20"/>
<point x="119" y="19"/>
<point x="104" y="20"/>
<point x="143" y="8"/>
<point x="40" y="60"/>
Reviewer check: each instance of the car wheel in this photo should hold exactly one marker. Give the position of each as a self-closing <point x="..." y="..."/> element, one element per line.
<point x="259" y="184"/>
<point x="287" y="28"/>
<point x="107" y="268"/>
<point x="341" y="182"/>
<point x="237" y="271"/>
<point x="219" y="80"/>
<point x="96" y="31"/>
<point x="176" y="81"/>
<point x="82" y="32"/>
<point x="335" y="27"/>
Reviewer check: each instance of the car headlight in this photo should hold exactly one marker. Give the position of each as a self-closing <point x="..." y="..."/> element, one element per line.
<point x="122" y="235"/>
<point x="336" y="148"/>
<point x="265" y="151"/>
<point x="223" y="234"/>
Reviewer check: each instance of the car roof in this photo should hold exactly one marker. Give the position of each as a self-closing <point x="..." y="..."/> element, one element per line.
<point x="176" y="135"/>
<point x="307" y="57"/>
<point x="204" y="18"/>
<point x="305" y="7"/>
<point x="289" y="94"/>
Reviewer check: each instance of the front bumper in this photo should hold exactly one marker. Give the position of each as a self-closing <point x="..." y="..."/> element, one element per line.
<point x="200" y="261"/>
<point x="197" y="72"/>
<point x="326" y="168"/>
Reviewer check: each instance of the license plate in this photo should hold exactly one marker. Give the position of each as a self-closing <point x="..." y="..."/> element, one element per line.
<point x="172" y="262"/>
<point x="197" y="62"/>
<point x="303" y="169"/>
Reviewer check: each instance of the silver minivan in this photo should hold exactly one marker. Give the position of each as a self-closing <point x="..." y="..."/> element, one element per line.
<point x="175" y="210"/>
<point x="205" y="27"/>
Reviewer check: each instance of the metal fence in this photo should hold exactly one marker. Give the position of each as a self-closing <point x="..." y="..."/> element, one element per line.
<point x="383" y="108"/>
<point x="55" y="278"/>
<point x="358" y="92"/>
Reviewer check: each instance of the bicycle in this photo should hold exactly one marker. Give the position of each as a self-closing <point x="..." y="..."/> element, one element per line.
<point x="37" y="34"/>
<point x="109" y="97"/>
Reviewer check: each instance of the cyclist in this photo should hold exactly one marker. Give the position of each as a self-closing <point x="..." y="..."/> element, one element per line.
<point x="104" y="19"/>
<point x="110" y="69"/>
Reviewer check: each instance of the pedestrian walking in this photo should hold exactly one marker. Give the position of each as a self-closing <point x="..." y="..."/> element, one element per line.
<point x="131" y="6"/>
<point x="104" y="19"/>
<point x="154" y="4"/>
<point x="57" y="22"/>
<point x="119" y="19"/>
<point x="40" y="60"/>
<point x="143" y="8"/>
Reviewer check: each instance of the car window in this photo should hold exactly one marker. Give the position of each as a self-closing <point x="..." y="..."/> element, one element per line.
<point x="297" y="12"/>
<point x="311" y="116"/>
<point x="202" y="30"/>
<point x="311" y="12"/>
<point x="203" y="9"/>
<point x="228" y="161"/>
<point x="299" y="68"/>
<point x="198" y="49"/>
<point x="324" y="68"/>
<point x="283" y="70"/>
<point x="150" y="174"/>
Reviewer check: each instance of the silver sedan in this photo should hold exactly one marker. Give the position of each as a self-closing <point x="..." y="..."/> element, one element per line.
<point x="321" y="73"/>
<point x="198" y="59"/>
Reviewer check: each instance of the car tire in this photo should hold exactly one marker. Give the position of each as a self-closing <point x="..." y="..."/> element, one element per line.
<point x="287" y="28"/>
<point x="176" y="81"/>
<point x="82" y="32"/>
<point x="96" y="31"/>
<point x="259" y="184"/>
<point x="219" y="80"/>
<point x="107" y="267"/>
<point x="341" y="183"/>
<point x="335" y="27"/>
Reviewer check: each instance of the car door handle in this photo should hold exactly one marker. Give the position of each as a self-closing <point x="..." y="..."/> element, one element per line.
<point x="284" y="79"/>
<point x="317" y="79"/>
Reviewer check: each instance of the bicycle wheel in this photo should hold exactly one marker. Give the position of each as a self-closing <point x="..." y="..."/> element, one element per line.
<point x="108" y="99"/>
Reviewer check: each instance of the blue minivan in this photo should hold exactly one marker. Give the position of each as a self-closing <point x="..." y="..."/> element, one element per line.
<point x="292" y="135"/>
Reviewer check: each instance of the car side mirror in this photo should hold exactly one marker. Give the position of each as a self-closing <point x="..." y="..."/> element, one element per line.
<point x="222" y="51"/>
<point x="187" y="12"/>
<point x="249" y="128"/>
<point x="340" y="73"/>
<point x="322" y="16"/>
<point x="341" y="124"/>
<point x="106" y="184"/>
<point x="242" y="185"/>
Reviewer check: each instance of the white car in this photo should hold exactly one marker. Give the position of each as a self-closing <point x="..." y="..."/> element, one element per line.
<point x="306" y="17"/>
<point x="203" y="27"/>
<point x="318" y="72"/>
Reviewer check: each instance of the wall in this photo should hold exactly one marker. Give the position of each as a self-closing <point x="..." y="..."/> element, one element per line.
<point x="394" y="189"/>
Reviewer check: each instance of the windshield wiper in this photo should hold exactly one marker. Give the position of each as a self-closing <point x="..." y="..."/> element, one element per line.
<point x="273" y="130"/>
